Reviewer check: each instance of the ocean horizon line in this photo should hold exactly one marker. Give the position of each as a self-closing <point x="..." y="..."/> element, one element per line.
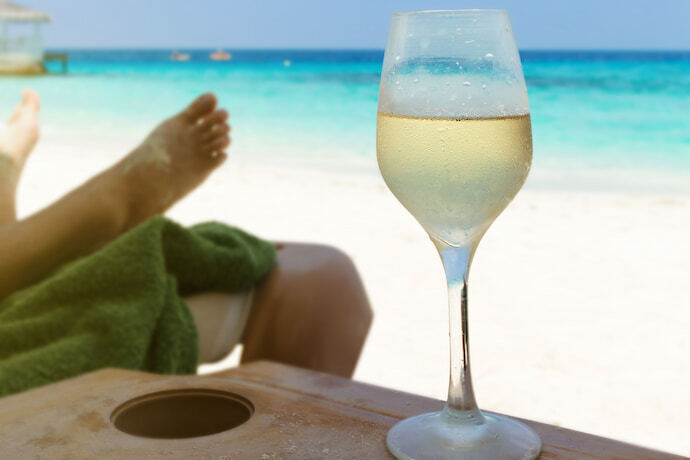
<point x="381" y="50"/>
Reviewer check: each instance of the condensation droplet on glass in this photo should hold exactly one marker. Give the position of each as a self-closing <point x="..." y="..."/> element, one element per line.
<point x="467" y="42"/>
<point x="457" y="63"/>
<point x="466" y="83"/>
<point x="483" y="85"/>
<point x="397" y="82"/>
<point x="489" y="55"/>
<point x="397" y="58"/>
<point x="416" y="80"/>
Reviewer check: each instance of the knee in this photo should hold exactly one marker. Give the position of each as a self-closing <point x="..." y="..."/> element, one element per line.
<point x="312" y="311"/>
<point x="334" y="284"/>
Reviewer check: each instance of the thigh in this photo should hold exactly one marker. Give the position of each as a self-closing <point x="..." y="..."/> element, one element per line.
<point x="311" y="311"/>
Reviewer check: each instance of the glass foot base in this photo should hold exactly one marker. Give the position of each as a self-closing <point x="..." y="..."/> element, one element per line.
<point x="440" y="436"/>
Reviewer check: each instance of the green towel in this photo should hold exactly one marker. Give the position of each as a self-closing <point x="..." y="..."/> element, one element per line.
<point x="121" y="306"/>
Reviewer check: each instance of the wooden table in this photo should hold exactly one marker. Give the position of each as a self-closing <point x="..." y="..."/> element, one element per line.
<point x="297" y="414"/>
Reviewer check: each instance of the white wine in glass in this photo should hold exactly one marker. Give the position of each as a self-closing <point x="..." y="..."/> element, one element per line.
<point x="454" y="145"/>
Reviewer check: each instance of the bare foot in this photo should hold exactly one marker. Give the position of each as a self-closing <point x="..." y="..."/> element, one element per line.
<point x="19" y="136"/>
<point x="17" y="139"/>
<point x="176" y="157"/>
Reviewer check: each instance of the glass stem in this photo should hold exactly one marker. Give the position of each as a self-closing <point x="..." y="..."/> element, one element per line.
<point x="456" y="263"/>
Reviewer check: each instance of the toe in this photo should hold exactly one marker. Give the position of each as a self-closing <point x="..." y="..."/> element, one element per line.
<point x="30" y="104"/>
<point x="214" y="154"/>
<point x="30" y="99"/>
<point x="217" y="130"/>
<point x="218" y="144"/>
<point x="200" y="106"/>
<point x="219" y="116"/>
<point x="217" y="158"/>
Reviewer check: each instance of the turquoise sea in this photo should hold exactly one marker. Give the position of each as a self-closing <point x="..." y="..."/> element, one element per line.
<point x="601" y="120"/>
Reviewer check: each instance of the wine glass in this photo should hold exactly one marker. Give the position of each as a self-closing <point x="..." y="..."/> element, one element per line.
<point x="454" y="145"/>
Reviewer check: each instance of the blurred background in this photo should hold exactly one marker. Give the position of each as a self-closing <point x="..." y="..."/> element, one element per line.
<point x="579" y="311"/>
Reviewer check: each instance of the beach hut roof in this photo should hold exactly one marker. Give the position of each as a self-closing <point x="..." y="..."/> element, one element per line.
<point x="12" y="12"/>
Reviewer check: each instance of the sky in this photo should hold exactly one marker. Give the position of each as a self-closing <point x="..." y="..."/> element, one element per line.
<point x="359" y="24"/>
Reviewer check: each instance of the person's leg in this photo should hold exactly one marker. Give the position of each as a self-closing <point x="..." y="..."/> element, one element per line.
<point x="174" y="159"/>
<point x="311" y="311"/>
<point x="17" y="139"/>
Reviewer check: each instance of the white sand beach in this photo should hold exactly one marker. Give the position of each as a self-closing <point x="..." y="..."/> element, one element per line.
<point x="578" y="301"/>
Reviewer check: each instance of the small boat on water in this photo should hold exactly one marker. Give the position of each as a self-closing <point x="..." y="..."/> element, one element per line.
<point x="221" y="55"/>
<point x="176" y="56"/>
